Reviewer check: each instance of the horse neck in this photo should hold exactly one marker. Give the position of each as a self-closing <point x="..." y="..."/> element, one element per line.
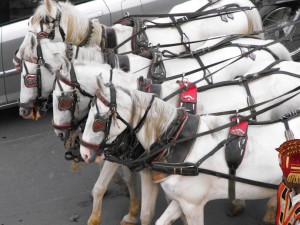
<point x="76" y="25"/>
<point x="90" y="53"/>
<point x="97" y="33"/>
<point x="123" y="33"/>
<point x="159" y="117"/>
<point x="53" y="54"/>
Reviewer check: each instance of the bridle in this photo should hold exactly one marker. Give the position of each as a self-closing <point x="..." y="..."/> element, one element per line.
<point x="103" y="124"/>
<point x="68" y="100"/>
<point x="35" y="81"/>
<point x="56" y="23"/>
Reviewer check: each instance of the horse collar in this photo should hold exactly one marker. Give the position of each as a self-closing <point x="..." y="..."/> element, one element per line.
<point x="88" y="35"/>
<point x="108" y="39"/>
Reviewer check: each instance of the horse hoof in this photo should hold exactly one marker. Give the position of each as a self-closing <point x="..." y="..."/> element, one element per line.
<point x="128" y="220"/>
<point x="93" y="221"/>
<point x="235" y="211"/>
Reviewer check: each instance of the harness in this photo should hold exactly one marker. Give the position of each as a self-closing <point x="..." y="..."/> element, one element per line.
<point x="108" y="38"/>
<point x="67" y="102"/>
<point x="56" y="23"/>
<point x="139" y="39"/>
<point x="116" y="61"/>
<point x="35" y="81"/>
<point x="188" y="97"/>
<point x="235" y="150"/>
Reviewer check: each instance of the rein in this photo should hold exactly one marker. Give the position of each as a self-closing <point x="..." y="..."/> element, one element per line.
<point x="198" y="15"/>
<point x="144" y="159"/>
<point x="191" y="169"/>
<point x="211" y="74"/>
<point x="268" y="29"/>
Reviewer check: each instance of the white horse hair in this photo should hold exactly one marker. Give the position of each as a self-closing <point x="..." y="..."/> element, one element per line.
<point x="217" y="99"/>
<point x="260" y="161"/>
<point x="90" y="68"/>
<point x="54" y="54"/>
<point x="75" y="25"/>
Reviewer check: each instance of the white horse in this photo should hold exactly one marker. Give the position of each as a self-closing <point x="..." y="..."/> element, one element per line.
<point x="76" y="26"/>
<point x="260" y="162"/>
<point x="217" y="99"/>
<point x="56" y="60"/>
<point x="54" y="53"/>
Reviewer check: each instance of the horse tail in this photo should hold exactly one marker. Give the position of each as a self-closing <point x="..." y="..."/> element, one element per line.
<point x="280" y="51"/>
<point x="254" y="18"/>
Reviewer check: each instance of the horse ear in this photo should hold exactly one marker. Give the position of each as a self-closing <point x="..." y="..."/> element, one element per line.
<point x="28" y="46"/>
<point x="100" y="82"/>
<point x="49" y="6"/>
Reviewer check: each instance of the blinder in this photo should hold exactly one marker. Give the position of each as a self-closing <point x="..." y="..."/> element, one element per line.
<point x="100" y="123"/>
<point x="31" y="80"/>
<point x="67" y="101"/>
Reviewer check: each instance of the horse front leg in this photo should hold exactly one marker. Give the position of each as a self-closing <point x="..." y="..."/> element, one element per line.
<point x="269" y="217"/>
<point x="194" y="214"/>
<point x="135" y="200"/>
<point x="149" y="196"/>
<point x="172" y="213"/>
<point x="106" y="173"/>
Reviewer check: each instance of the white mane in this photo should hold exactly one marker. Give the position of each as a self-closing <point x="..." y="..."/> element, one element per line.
<point x="69" y="16"/>
<point x="55" y="53"/>
<point x="159" y="117"/>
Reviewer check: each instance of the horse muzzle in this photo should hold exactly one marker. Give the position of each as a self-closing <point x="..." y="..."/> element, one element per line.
<point x="30" y="113"/>
<point x="90" y="156"/>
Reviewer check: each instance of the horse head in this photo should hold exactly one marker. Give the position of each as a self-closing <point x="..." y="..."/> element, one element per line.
<point x="109" y="115"/>
<point x="59" y="21"/>
<point x="39" y="60"/>
<point x="47" y="21"/>
<point x="70" y="107"/>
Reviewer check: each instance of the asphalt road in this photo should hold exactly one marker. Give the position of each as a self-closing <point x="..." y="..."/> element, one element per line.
<point x="38" y="186"/>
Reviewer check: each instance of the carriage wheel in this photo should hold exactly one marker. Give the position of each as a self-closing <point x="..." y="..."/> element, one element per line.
<point x="280" y="15"/>
<point x="276" y="15"/>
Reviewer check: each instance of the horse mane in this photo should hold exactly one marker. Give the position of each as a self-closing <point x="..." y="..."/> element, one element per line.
<point x="75" y="20"/>
<point x="159" y="117"/>
<point x="41" y="13"/>
<point x="90" y="53"/>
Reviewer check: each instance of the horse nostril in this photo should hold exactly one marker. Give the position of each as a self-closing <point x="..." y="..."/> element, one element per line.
<point x="61" y="136"/>
<point x="22" y="112"/>
<point x="85" y="157"/>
